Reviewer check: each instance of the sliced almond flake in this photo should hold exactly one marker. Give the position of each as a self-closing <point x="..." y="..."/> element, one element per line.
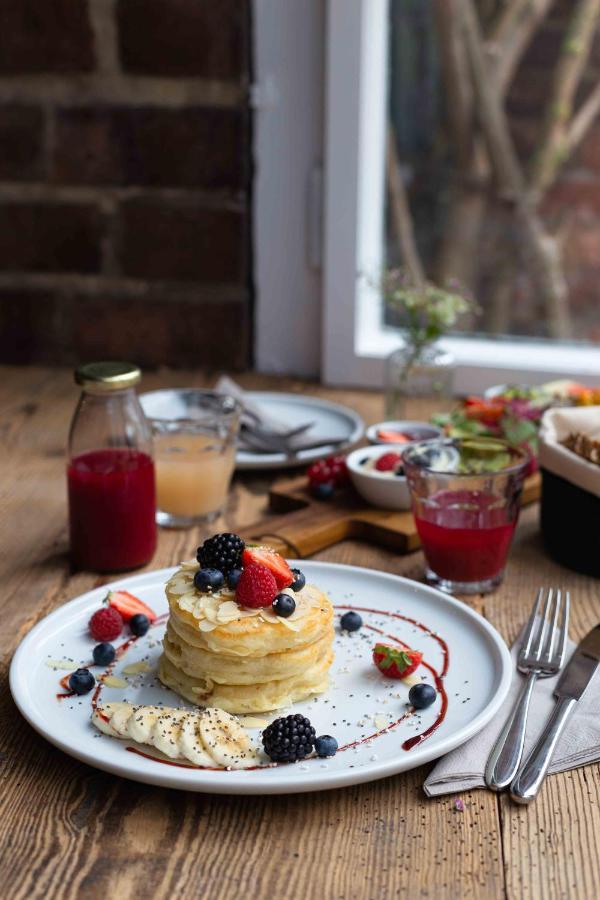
<point x="411" y="679"/>
<point x="137" y="668"/>
<point x="188" y="606"/>
<point x="211" y="611"/>
<point x="67" y="664"/>
<point x="381" y="722"/>
<point x="253" y="722"/>
<point x="229" y="608"/>
<point x="178" y="587"/>
<point x="205" y="625"/>
<point x="192" y="564"/>
<point x="293" y="626"/>
<point x="114" y="682"/>
<point x="246" y="613"/>
<point x="269" y="616"/>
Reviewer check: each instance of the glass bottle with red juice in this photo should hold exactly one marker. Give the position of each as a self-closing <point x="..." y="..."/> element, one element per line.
<point x="110" y="472"/>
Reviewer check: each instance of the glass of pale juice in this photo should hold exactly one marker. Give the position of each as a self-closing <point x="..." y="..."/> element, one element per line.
<point x="195" y="434"/>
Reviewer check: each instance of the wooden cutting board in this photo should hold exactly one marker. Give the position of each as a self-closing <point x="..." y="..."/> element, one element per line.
<point x="302" y="525"/>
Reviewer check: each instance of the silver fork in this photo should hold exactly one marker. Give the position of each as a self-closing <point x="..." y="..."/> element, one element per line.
<point x="541" y="655"/>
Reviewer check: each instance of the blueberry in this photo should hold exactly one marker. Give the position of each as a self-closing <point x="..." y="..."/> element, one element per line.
<point x="103" y="653"/>
<point x="208" y="580"/>
<point x="82" y="681"/>
<point x="399" y="473"/>
<point x="233" y="577"/>
<point x="139" y="624"/>
<point x="284" y="605"/>
<point x="421" y="696"/>
<point x="325" y="745"/>
<point x="323" y="491"/>
<point x="351" y="621"/>
<point x="299" y="580"/>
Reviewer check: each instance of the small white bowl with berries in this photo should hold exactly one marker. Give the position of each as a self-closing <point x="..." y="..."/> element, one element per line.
<point x="377" y="474"/>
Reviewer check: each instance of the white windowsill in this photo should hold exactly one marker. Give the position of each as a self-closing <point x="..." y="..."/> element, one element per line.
<point x="483" y="362"/>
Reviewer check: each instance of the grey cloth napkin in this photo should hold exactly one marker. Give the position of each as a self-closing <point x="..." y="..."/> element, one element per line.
<point x="462" y="769"/>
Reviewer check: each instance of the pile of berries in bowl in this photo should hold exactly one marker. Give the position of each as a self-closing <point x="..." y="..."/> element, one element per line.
<point x="377" y="474"/>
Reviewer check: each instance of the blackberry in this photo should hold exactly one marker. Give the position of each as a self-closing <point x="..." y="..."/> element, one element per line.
<point x="222" y="552"/>
<point x="289" y="739"/>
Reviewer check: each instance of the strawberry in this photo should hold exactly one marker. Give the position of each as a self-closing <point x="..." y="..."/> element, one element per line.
<point x="388" y="462"/>
<point x="106" y="624"/>
<point x="276" y="564"/>
<point x="393" y="437"/>
<point x="128" y="605"/>
<point x="256" y="587"/>
<point x="396" y="662"/>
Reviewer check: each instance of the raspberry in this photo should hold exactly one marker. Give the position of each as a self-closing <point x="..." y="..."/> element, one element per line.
<point x="339" y="470"/>
<point x="106" y="624"/>
<point x="320" y="473"/>
<point x="328" y="471"/>
<point x="388" y="462"/>
<point x="257" y="587"/>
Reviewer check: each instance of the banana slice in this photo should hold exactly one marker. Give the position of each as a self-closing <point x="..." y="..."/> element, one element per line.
<point x="166" y="732"/>
<point x="119" y="720"/>
<point x="210" y="738"/>
<point x="225" y="739"/>
<point x="190" y="742"/>
<point x="102" y="716"/>
<point x="141" y="724"/>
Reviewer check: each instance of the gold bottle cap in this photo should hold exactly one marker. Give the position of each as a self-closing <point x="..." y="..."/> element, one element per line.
<point x="108" y="376"/>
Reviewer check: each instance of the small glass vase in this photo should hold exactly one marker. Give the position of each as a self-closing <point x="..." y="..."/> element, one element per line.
<point x="426" y="376"/>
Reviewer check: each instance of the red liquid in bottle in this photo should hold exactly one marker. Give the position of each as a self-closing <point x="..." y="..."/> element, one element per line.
<point x="112" y="507"/>
<point x="466" y="535"/>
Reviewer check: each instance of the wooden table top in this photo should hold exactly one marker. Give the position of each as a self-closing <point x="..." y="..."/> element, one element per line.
<point x="69" y="831"/>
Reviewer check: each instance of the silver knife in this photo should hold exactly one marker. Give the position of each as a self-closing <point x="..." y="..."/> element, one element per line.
<point x="577" y="675"/>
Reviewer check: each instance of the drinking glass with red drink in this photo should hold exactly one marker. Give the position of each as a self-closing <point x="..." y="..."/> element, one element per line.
<point x="465" y="498"/>
<point x="110" y="472"/>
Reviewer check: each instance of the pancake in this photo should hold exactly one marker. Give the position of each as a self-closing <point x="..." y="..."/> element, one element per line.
<point x="217" y="653"/>
<point x="217" y="623"/>
<point x="247" y="698"/>
<point x="200" y="663"/>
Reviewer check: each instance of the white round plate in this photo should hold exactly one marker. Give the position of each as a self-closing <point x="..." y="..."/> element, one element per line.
<point x="360" y="706"/>
<point x="331" y="420"/>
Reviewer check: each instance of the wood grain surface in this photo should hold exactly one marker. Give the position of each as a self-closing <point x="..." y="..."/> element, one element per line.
<point x="69" y="831"/>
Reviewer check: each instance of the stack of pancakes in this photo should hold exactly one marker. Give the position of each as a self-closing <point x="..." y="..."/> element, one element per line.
<point x="217" y="653"/>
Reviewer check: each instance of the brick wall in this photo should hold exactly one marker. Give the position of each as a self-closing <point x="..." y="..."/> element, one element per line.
<point x="124" y="181"/>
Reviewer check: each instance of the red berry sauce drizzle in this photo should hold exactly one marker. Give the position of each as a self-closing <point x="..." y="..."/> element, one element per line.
<point x="119" y="651"/>
<point x="414" y="741"/>
<point x="438" y="677"/>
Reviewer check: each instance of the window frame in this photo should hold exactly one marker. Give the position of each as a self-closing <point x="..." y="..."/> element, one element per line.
<point x="355" y="341"/>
